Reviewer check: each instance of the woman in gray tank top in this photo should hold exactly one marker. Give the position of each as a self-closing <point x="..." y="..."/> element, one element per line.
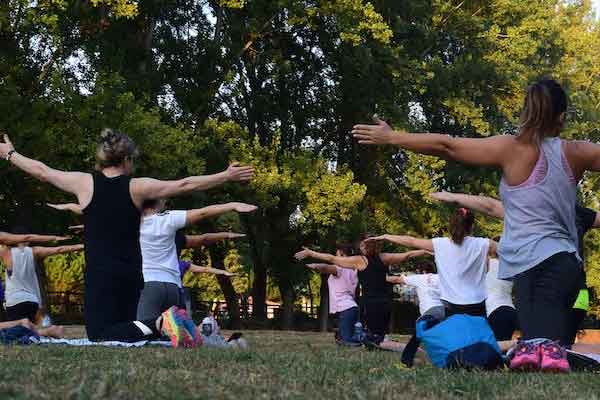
<point x="539" y="246"/>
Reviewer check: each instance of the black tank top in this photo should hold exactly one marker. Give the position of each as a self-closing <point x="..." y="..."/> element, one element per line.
<point x="373" y="280"/>
<point x="112" y="229"/>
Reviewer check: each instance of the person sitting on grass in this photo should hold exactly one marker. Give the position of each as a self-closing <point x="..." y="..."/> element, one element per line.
<point x="461" y="262"/>
<point x="342" y="284"/>
<point x="372" y="268"/>
<point x="585" y="220"/>
<point x="23" y="297"/>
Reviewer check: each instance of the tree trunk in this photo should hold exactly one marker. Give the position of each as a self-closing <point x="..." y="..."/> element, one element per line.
<point x="259" y="283"/>
<point x="287" y="308"/>
<point x="324" y="305"/>
<point x="217" y="254"/>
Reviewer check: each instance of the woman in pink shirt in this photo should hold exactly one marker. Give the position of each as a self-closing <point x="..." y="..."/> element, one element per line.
<point x="342" y="284"/>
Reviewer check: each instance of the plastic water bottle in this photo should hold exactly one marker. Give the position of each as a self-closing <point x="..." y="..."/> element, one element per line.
<point x="46" y="321"/>
<point x="359" y="333"/>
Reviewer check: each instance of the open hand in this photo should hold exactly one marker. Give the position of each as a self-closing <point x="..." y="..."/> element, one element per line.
<point x="303" y="254"/>
<point x="5" y="147"/>
<point x="378" y="134"/>
<point x="244" y="208"/>
<point x="76" y="228"/>
<point x="377" y="238"/>
<point x="62" y="238"/>
<point x="232" y="235"/>
<point x="229" y="274"/>
<point x="237" y="173"/>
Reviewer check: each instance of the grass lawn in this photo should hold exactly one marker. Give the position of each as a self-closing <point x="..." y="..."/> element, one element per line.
<point x="286" y="365"/>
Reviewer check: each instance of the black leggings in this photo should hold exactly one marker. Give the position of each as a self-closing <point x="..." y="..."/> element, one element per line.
<point x="110" y="309"/>
<point x="545" y="295"/>
<point x="476" y="310"/>
<point x="26" y="309"/>
<point x="576" y="318"/>
<point x="377" y="315"/>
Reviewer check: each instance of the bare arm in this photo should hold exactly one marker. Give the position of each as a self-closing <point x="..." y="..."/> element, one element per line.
<point x="323" y="268"/>
<point x="196" y="241"/>
<point x="352" y="262"/>
<point x="582" y="156"/>
<point x="10" y="240"/>
<point x="407" y="241"/>
<point x="597" y="221"/>
<point x="72" y="207"/>
<point x="43" y="252"/>
<point x="195" y="216"/>
<point x="196" y="269"/>
<point x="399" y="258"/>
<point x="148" y="188"/>
<point x="493" y="249"/>
<point x="490" y="151"/>
<point x="483" y="204"/>
<point x="395" y="279"/>
<point x="77" y="183"/>
<point x="22" y="322"/>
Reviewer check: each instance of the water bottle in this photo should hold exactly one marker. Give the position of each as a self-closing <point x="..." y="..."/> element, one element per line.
<point x="46" y="321"/>
<point x="207" y="326"/>
<point x="359" y="333"/>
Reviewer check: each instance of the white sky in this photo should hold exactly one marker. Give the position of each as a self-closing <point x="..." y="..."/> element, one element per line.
<point x="596" y="4"/>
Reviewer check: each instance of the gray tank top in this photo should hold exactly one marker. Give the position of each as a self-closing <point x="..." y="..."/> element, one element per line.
<point x="22" y="282"/>
<point x="539" y="219"/>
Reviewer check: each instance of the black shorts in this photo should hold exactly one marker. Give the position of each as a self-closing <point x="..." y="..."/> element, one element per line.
<point x="26" y="309"/>
<point x="504" y="322"/>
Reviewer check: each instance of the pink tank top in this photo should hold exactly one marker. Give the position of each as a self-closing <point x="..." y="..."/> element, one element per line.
<point x="541" y="168"/>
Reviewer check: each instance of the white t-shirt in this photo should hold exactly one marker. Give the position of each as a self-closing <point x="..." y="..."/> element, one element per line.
<point x="157" y="240"/>
<point x="428" y="290"/>
<point x="499" y="291"/>
<point x="462" y="269"/>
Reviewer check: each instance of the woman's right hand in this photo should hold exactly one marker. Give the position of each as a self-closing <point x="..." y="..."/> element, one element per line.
<point x="237" y="173"/>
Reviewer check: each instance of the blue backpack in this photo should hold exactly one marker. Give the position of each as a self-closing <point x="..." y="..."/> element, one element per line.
<point x="460" y="341"/>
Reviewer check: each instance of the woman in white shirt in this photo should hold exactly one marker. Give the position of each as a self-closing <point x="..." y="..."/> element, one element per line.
<point x="461" y="262"/>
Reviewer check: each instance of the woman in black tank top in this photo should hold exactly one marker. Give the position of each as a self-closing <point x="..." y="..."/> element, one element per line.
<point x="373" y="268"/>
<point x="111" y="202"/>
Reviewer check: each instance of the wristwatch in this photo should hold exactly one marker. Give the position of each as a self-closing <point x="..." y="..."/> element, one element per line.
<point x="10" y="154"/>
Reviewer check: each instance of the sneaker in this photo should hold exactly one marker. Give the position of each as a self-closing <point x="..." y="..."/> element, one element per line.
<point x="526" y="356"/>
<point x="553" y="357"/>
<point x="191" y="334"/>
<point x="172" y="326"/>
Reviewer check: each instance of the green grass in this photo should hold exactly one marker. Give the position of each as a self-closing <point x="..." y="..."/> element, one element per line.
<point x="279" y="365"/>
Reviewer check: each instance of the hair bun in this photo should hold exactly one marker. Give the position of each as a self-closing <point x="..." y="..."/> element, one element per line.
<point x="108" y="137"/>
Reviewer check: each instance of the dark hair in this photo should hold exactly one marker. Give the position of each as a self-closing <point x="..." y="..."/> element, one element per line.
<point x="149" y="203"/>
<point x="544" y="104"/>
<point x="372" y="249"/>
<point x="346" y="248"/>
<point x="461" y="225"/>
<point x="427" y="268"/>
<point x="114" y="148"/>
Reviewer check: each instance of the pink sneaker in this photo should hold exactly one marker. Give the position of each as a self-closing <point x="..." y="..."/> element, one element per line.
<point x="526" y="357"/>
<point x="553" y="358"/>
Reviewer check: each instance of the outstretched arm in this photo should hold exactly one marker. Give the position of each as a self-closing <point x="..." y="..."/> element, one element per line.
<point x="207" y="239"/>
<point x="43" y="252"/>
<point x="77" y="183"/>
<point x="483" y="204"/>
<point x="195" y="216"/>
<point x="323" y="268"/>
<point x="9" y="239"/>
<point x="352" y="262"/>
<point x="408" y="241"/>
<point x="148" y="188"/>
<point x="72" y="207"/>
<point x="196" y="269"/>
<point x="399" y="258"/>
<point x="395" y="279"/>
<point x="490" y="151"/>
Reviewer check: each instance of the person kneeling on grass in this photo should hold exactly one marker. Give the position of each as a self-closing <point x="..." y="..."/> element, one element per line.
<point x="160" y="263"/>
<point x="342" y="284"/>
<point x="23" y="297"/>
<point x="372" y="268"/>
